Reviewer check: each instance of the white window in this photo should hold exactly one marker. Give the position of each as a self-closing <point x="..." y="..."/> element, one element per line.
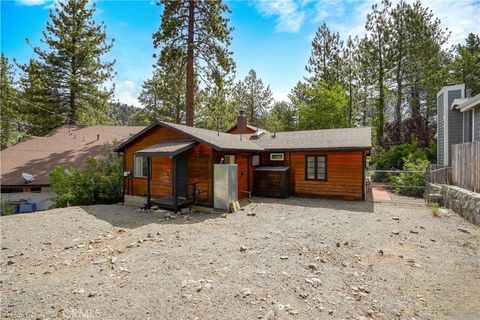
<point x="316" y="168"/>
<point x="140" y="166"/>
<point x="229" y="159"/>
<point x="276" y="156"/>
<point x="255" y="160"/>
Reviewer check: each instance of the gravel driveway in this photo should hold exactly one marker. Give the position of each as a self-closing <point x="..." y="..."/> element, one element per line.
<point x="294" y="259"/>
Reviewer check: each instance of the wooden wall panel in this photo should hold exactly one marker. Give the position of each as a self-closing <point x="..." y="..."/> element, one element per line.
<point x="200" y="171"/>
<point x="161" y="183"/>
<point x="237" y="131"/>
<point x="344" y="175"/>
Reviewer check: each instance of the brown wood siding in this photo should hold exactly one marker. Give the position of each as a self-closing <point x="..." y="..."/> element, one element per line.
<point x="344" y="175"/>
<point x="237" y="131"/>
<point x="200" y="171"/>
<point x="265" y="160"/>
<point x="161" y="166"/>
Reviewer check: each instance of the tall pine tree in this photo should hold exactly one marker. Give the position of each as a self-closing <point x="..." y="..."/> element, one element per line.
<point x="11" y="124"/>
<point x="197" y="33"/>
<point x="252" y="95"/>
<point x="71" y="63"/>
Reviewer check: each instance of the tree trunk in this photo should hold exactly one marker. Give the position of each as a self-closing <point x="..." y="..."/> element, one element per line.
<point x="415" y="101"/>
<point x="381" y="97"/>
<point x="190" y="94"/>
<point x="73" y="108"/>
<point x="350" y="102"/>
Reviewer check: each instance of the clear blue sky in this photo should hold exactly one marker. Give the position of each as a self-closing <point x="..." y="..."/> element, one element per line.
<point x="272" y="37"/>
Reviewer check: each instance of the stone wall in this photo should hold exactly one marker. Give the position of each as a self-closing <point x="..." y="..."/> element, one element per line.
<point x="464" y="202"/>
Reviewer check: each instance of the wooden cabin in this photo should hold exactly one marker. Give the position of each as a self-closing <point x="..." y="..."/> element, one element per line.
<point x="172" y="165"/>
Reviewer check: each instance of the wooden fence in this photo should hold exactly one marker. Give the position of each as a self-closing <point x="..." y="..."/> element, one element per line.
<point x="466" y="165"/>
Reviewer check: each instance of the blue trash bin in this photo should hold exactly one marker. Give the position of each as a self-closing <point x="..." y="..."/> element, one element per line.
<point x="27" y="207"/>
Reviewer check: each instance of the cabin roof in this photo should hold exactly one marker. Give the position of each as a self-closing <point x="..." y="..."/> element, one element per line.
<point x="169" y="148"/>
<point x="326" y="139"/>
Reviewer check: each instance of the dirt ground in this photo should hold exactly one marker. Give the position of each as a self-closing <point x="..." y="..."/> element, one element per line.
<point x="294" y="259"/>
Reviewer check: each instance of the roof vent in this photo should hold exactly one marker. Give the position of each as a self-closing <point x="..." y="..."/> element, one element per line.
<point x="258" y="134"/>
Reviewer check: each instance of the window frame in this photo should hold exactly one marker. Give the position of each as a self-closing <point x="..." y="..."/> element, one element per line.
<point x="257" y="157"/>
<point x="276" y="154"/>
<point x="143" y="164"/>
<point x="316" y="156"/>
<point x="229" y="155"/>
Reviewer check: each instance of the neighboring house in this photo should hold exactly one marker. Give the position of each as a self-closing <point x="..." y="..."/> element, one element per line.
<point x="318" y="163"/>
<point x="37" y="156"/>
<point x="458" y="120"/>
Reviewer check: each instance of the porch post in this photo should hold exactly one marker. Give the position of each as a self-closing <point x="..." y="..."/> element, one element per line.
<point x="174" y="183"/>
<point x="149" y="177"/>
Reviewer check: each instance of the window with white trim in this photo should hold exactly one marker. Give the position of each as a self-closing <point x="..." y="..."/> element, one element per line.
<point x="277" y="156"/>
<point x="316" y="167"/>
<point x="140" y="166"/>
<point x="255" y="160"/>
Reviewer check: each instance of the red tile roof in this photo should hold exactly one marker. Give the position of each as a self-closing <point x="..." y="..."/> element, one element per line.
<point x="69" y="144"/>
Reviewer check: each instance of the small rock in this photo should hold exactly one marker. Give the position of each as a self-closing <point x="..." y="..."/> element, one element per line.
<point x="313" y="266"/>
<point x="243" y="248"/>
<point x="224" y="215"/>
<point x="99" y="260"/>
<point x="338" y="244"/>
<point x="464" y="230"/>
<point x="323" y="260"/>
<point x="345" y="243"/>
<point x="396" y="218"/>
<point x="380" y="252"/>
<point x="246" y="292"/>
<point x="92" y="294"/>
<point x="304" y="295"/>
<point x="251" y="214"/>
<point x="284" y="257"/>
<point x="395" y="231"/>
<point x="269" y="315"/>
<point x="314" y="281"/>
<point x="414" y="231"/>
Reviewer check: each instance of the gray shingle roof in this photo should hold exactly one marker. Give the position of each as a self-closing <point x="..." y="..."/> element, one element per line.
<point x="348" y="138"/>
<point x="169" y="148"/>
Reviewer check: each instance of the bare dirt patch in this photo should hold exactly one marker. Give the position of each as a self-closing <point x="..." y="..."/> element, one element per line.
<point x="294" y="259"/>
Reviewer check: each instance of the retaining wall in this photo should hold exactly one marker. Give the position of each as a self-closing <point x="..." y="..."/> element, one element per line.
<point x="464" y="202"/>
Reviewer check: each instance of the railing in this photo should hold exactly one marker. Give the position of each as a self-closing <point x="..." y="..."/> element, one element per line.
<point x="466" y="165"/>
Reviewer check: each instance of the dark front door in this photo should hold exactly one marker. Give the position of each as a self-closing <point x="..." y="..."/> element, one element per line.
<point x="181" y="175"/>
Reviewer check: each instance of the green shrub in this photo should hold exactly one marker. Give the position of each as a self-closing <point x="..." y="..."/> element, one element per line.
<point x="6" y="209"/>
<point x="411" y="183"/>
<point x="100" y="181"/>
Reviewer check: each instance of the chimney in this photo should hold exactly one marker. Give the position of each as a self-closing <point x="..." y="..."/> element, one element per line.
<point x="242" y="122"/>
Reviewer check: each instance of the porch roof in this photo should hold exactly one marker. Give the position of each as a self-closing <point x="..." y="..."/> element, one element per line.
<point x="166" y="149"/>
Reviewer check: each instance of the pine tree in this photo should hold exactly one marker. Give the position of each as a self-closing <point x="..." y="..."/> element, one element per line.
<point x="197" y="33"/>
<point x="325" y="61"/>
<point x="252" y="95"/>
<point x="11" y="124"/>
<point x="282" y="117"/>
<point x="466" y="63"/>
<point x="71" y="64"/>
<point x="349" y="70"/>
<point x="377" y="25"/>
<point x="162" y="95"/>
<point x="38" y="107"/>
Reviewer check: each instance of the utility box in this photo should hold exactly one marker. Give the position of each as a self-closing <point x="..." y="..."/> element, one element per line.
<point x="225" y="185"/>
